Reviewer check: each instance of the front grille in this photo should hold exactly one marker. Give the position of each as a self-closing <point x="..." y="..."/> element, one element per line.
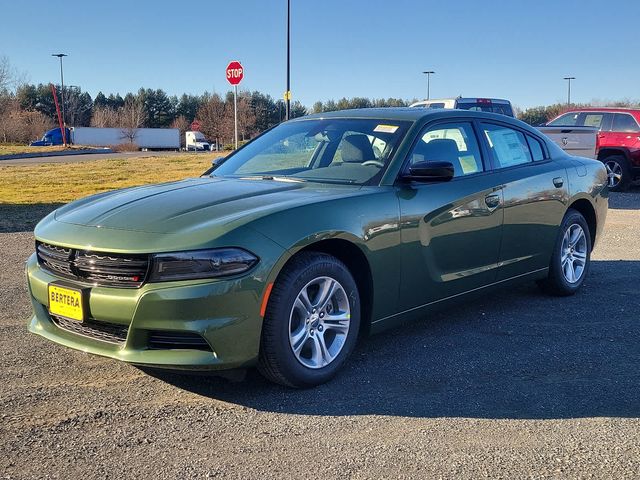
<point x="167" y="340"/>
<point x="105" y="332"/>
<point x="110" y="269"/>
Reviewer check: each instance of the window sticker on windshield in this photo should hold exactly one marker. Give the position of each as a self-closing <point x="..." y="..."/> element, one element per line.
<point x="386" y="129"/>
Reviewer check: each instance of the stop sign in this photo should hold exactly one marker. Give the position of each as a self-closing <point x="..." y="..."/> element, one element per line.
<point x="195" y="125"/>
<point x="235" y="73"/>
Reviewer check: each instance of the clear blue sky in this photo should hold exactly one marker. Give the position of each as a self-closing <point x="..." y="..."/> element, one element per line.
<point x="513" y="49"/>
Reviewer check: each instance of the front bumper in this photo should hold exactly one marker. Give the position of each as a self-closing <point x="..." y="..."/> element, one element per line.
<point x="223" y="312"/>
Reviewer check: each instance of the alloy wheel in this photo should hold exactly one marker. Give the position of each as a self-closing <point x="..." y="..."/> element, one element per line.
<point x="614" y="173"/>
<point x="319" y="322"/>
<point x="574" y="253"/>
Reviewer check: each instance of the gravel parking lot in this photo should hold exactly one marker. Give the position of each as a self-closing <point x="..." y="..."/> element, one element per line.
<point x="516" y="385"/>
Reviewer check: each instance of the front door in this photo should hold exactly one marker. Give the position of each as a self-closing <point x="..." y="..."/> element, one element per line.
<point x="450" y="231"/>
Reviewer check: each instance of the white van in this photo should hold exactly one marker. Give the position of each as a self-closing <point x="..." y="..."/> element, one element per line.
<point x="493" y="105"/>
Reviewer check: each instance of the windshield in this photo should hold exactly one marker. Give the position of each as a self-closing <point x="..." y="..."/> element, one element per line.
<point x="347" y="151"/>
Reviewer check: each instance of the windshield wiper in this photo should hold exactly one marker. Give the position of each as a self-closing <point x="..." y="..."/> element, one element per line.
<point x="277" y="178"/>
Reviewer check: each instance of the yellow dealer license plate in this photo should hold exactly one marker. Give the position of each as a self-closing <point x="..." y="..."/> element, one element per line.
<point x="66" y="302"/>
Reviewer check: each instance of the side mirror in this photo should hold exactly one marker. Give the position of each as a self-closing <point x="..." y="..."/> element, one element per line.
<point x="216" y="162"/>
<point x="430" y="172"/>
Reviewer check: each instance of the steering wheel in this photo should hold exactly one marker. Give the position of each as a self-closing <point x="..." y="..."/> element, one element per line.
<point x="377" y="163"/>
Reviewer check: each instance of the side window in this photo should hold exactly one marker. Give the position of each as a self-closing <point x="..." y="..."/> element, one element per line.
<point x="571" y="119"/>
<point x="450" y="142"/>
<point x="623" y="122"/>
<point x="593" y="119"/>
<point x="508" y="146"/>
<point x="607" y="120"/>
<point x="535" y="147"/>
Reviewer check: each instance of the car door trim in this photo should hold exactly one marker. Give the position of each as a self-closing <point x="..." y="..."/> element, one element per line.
<point x="533" y="272"/>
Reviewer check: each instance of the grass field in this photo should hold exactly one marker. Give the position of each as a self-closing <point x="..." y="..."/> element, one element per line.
<point x="64" y="182"/>
<point x="9" y="149"/>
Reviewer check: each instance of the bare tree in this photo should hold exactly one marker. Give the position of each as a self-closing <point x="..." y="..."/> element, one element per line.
<point x="182" y="124"/>
<point x="10" y="78"/>
<point x="20" y="126"/>
<point x="104" y="117"/>
<point x="6" y="74"/>
<point x="212" y="118"/>
<point x="246" y="117"/>
<point x="131" y="117"/>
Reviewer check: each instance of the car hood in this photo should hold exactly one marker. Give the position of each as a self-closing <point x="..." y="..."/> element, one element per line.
<point x="190" y="204"/>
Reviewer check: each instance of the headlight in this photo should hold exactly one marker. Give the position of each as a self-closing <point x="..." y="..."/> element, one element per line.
<point x="219" y="262"/>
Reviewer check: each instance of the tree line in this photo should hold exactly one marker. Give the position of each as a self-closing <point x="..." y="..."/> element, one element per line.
<point x="27" y="110"/>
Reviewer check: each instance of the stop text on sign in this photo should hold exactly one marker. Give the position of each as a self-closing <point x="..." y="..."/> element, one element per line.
<point x="235" y="73"/>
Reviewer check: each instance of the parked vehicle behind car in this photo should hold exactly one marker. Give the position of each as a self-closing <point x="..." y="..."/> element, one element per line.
<point x="618" y="139"/>
<point x="320" y="229"/>
<point x="579" y="141"/>
<point x="492" y="105"/>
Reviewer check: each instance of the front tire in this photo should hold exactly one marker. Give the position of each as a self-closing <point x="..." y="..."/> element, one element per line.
<point x="311" y="322"/>
<point x="619" y="173"/>
<point x="571" y="256"/>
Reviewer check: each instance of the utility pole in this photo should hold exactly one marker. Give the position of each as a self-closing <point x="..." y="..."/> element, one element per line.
<point x="287" y="94"/>
<point x="428" y="74"/>
<point x="569" y="89"/>
<point x="64" y="123"/>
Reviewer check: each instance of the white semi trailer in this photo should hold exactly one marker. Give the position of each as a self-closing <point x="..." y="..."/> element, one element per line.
<point x="145" y="138"/>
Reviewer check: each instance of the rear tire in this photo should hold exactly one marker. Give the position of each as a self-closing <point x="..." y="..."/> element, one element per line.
<point x="618" y="171"/>
<point x="311" y="322"/>
<point x="571" y="256"/>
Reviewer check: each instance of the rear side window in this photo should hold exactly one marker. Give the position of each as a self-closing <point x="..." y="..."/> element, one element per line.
<point x="535" y="147"/>
<point x="623" y="122"/>
<point x="508" y="146"/>
<point x="450" y="142"/>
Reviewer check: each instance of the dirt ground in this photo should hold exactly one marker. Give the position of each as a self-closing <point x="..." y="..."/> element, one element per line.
<point x="514" y="385"/>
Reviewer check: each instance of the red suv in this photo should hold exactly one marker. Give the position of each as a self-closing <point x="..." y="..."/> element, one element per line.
<point x="618" y="139"/>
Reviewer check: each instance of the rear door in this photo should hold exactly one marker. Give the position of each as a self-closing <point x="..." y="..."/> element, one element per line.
<point x="624" y="131"/>
<point x="450" y="230"/>
<point x="535" y="197"/>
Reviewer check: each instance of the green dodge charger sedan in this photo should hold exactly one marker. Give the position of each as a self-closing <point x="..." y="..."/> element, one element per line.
<point x="321" y="229"/>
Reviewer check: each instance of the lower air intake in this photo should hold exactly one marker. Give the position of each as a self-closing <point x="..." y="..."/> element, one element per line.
<point x="170" y="340"/>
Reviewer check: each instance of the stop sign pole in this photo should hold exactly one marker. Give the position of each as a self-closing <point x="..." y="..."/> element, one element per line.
<point x="235" y="74"/>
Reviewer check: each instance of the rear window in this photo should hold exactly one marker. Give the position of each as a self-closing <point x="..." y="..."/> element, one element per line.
<point x="501" y="108"/>
<point x="623" y="122"/>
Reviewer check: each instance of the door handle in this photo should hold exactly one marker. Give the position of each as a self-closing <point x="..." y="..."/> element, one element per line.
<point x="492" y="201"/>
<point x="558" y="182"/>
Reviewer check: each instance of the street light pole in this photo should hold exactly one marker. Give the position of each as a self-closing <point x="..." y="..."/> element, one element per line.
<point x="569" y="89"/>
<point x="64" y="124"/>
<point x="428" y="74"/>
<point x="288" y="92"/>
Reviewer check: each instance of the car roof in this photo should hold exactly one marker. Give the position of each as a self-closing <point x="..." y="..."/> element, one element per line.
<point x="408" y="114"/>
<point x="609" y="109"/>
<point x="464" y="100"/>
